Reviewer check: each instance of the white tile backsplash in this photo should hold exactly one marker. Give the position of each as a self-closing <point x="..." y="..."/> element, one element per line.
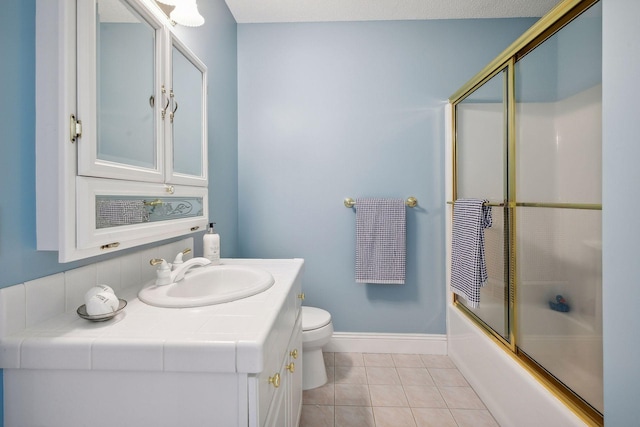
<point x="12" y="307"/>
<point x="44" y="298"/>
<point x="77" y="283"/>
<point x="108" y="273"/>
<point x="147" y="271"/>
<point x="130" y="267"/>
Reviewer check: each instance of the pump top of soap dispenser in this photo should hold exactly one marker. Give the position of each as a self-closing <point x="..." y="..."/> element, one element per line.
<point x="212" y="228"/>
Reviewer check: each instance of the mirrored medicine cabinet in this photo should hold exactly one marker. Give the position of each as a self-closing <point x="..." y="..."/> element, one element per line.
<point x="121" y="130"/>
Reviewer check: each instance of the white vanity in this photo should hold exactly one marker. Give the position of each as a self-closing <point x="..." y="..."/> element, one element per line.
<point x="231" y="364"/>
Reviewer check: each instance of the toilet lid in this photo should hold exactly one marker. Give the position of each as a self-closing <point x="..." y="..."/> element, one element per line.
<point x="314" y="318"/>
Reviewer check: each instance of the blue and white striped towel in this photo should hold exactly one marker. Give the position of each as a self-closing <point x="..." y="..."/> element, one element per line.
<point x="380" y="240"/>
<point x="468" y="265"/>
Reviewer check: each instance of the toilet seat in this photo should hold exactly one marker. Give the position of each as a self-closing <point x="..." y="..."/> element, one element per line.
<point x="314" y="318"/>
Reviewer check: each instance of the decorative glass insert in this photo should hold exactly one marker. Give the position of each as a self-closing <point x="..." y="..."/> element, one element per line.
<point x="116" y="211"/>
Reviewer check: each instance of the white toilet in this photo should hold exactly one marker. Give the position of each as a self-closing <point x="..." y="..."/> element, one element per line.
<point x="316" y="332"/>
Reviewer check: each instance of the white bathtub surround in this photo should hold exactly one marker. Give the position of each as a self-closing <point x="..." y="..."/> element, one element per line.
<point x="149" y="365"/>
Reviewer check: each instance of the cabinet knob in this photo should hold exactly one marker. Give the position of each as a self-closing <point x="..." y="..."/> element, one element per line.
<point x="275" y="380"/>
<point x="301" y="296"/>
<point x="294" y="353"/>
<point x="291" y="367"/>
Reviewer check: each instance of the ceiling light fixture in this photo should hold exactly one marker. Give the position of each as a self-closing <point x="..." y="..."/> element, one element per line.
<point x="185" y="13"/>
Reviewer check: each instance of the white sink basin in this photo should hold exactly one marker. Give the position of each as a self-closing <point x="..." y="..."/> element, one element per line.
<point x="208" y="286"/>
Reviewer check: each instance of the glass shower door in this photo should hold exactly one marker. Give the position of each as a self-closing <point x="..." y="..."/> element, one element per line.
<point x="481" y="143"/>
<point x="558" y="175"/>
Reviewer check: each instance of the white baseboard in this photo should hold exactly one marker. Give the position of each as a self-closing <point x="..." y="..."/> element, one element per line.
<point x="350" y="342"/>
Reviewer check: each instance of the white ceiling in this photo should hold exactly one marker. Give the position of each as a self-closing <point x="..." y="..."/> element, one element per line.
<point x="255" y="11"/>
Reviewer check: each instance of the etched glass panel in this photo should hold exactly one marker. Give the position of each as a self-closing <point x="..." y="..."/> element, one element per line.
<point x="116" y="211"/>
<point x="559" y="249"/>
<point x="560" y="295"/>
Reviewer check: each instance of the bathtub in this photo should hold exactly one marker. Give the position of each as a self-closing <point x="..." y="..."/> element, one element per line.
<point x="510" y="392"/>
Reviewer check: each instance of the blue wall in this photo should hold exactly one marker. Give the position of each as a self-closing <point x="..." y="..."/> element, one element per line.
<point x="335" y="110"/>
<point x="621" y="233"/>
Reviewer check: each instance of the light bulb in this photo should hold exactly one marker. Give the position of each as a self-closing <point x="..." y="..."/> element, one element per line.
<point x="186" y="13"/>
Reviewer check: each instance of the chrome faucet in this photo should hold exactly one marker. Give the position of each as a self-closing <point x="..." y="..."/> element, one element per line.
<point x="166" y="276"/>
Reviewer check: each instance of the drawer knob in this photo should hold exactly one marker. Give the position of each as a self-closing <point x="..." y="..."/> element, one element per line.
<point x="275" y="380"/>
<point x="291" y="367"/>
<point x="294" y="353"/>
<point x="301" y="296"/>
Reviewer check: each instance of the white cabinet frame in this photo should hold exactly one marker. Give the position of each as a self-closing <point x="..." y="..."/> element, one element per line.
<point x="63" y="205"/>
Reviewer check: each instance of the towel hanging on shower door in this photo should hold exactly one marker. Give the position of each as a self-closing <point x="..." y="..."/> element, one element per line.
<point x="380" y="241"/>
<point x="468" y="265"/>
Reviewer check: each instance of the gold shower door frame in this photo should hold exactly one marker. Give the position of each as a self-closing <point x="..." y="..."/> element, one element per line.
<point x="547" y="26"/>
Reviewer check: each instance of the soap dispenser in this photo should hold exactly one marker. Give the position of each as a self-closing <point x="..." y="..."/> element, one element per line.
<point x="211" y="245"/>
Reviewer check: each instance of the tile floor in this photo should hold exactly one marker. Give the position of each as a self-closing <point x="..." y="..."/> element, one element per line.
<point x="393" y="390"/>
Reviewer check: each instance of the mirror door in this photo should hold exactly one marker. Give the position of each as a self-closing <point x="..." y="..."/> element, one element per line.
<point x="119" y="104"/>
<point x="185" y="130"/>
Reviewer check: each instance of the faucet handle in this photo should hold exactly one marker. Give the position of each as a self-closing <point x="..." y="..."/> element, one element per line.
<point x="163" y="274"/>
<point x="178" y="259"/>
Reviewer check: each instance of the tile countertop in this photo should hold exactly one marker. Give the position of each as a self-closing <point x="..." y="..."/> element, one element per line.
<point x="225" y="337"/>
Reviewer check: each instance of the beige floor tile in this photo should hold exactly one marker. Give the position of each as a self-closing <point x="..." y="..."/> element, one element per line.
<point x="352" y="395"/>
<point x="433" y="417"/>
<point x="348" y="359"/>
<point x="407" y="360"/>
<point x="393" y="417"/>
<point x="437" y="361"/>
<point x="447" y="377"/>
<point x="393" y="390"/>
<point x="329" y="358"/>
<point x="317" y="416"/>
<point x="387" y="395"/>
<point x="350" y="375"/>
<point x="424" y="396"/>
<point x="415" y="376"/>
<point x="376" y="359"/>
<point x="474" y="418"/>
<point x="331" y="371"/>
<point x="379" y="375"/>
<point x="354" y="416"/>
<point x="319" y="396"/>
<point x="461" y="398"/>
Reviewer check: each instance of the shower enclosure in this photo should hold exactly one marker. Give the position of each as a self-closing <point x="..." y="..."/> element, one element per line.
<point x="527" y="137"/>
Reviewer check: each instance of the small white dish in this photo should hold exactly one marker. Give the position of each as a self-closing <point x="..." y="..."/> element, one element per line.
<point x="82" y="312"/>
